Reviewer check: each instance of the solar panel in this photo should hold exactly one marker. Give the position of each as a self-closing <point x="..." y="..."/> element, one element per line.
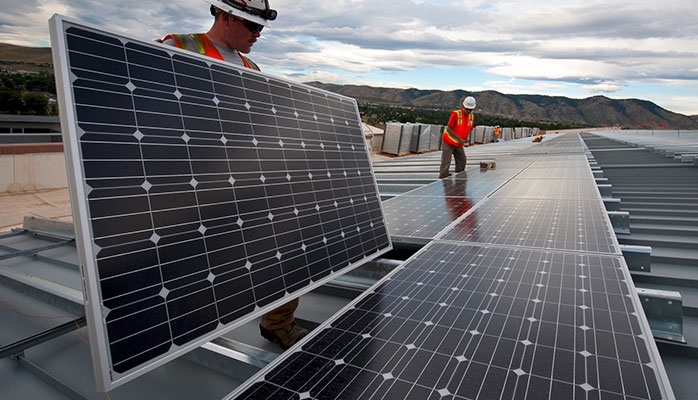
<point x="560" y="146"/>
<point x="579" y="225"/>
<point x="552" y="171"/>
<point x="416" y="220"/>
<point x="203" y="194"/>
<point x="418" y="216"/>
<point x="550" y="188"/>
<point x="462" y="321"/>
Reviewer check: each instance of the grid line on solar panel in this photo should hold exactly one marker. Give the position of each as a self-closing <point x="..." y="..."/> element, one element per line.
<point x="210" y="192"/>
<point x="576" y="225"/>
<point x="479" y="322"/>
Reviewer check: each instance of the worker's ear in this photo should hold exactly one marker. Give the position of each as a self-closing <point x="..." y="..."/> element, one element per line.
<point x="224" y="16"/>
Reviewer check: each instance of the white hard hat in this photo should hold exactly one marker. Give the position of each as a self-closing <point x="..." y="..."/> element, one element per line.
<point x="257" y="11"/>
<point x="469" y="102"/>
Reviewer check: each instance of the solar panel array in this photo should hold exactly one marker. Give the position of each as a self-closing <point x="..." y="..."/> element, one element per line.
<point x="525" y="296"/>
<point x="204" y="194"/>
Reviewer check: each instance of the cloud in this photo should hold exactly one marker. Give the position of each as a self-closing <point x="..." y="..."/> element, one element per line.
<point x="606" y="87"/>
<point x="681" y="104"/>
<point x="571" y="44"/>
<point x="25" y="23"/>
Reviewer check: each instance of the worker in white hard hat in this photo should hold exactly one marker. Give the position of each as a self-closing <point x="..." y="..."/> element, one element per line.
<point x="456" y="136"/>
<point x="236" y="27"/>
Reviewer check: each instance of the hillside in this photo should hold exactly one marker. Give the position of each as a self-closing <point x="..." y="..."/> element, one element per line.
<point x="592" y="111"/>
<point x="20" y="58"/>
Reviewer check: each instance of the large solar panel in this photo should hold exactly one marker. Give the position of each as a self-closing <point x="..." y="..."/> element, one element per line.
<point x="203" y="194"/>
<point x="462" y="321"/>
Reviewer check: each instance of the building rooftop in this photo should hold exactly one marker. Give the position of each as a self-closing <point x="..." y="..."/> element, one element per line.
<point x="45" y="350"/>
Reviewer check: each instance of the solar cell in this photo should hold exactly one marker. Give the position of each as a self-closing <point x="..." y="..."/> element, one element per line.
<point x="204" y="194"/>
<point x="463" y="321"/>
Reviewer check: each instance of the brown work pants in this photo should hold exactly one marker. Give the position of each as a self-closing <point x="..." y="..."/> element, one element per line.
<point x="280" y="316"/>
<point x="458" y="154"/>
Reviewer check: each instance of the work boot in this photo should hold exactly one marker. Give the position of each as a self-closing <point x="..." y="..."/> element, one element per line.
<point x="286" y="336"/>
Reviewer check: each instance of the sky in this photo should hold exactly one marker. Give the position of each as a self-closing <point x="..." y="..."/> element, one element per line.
<point x="616" y="48"/>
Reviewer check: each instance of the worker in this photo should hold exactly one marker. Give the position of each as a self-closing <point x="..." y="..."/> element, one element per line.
<point x="236" y="27"/>
<point x="456" y="136"/>
<point x="497" y="132"/>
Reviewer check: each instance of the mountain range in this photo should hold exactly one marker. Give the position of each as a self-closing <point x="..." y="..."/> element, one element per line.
<point x="589" y="112"/>
<point x="593" y="111"/>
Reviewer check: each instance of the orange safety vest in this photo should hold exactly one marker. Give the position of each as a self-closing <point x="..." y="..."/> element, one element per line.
<point x="461" y="128"/>
<point x="200" y="43"/>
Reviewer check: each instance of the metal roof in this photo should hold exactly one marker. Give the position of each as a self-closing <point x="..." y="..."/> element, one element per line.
<point x="45" y="354"/>
<point x="657" y="184"/>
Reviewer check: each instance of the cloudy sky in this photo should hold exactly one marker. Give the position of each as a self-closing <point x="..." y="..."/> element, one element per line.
<point x="616" y="48"/>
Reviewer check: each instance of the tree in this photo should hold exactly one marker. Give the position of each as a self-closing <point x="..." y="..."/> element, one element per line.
<point x="35" y="104"/>
<point x="11" y="101"/>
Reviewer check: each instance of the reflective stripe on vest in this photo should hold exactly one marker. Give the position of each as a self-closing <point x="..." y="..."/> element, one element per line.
<point x="200" y="43"/>
<point x="453" y="141"/>
<point x="196" y="42"/>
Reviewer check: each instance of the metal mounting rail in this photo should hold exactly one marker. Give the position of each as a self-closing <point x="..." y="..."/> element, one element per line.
<point x="32" y="251"/>
<point x="29" y="342"/>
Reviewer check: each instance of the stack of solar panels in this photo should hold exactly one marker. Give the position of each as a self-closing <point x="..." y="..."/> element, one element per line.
<point x="478" y="134"/>
<point x="436" y="131"/>
<point x="489" y="134"/>
<point x="425" y="138"/>
<point x="507" y="133"/>
<point x="525" y="295"/>
<point x="397" y="139"/>
<point x="405" y="138"/>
